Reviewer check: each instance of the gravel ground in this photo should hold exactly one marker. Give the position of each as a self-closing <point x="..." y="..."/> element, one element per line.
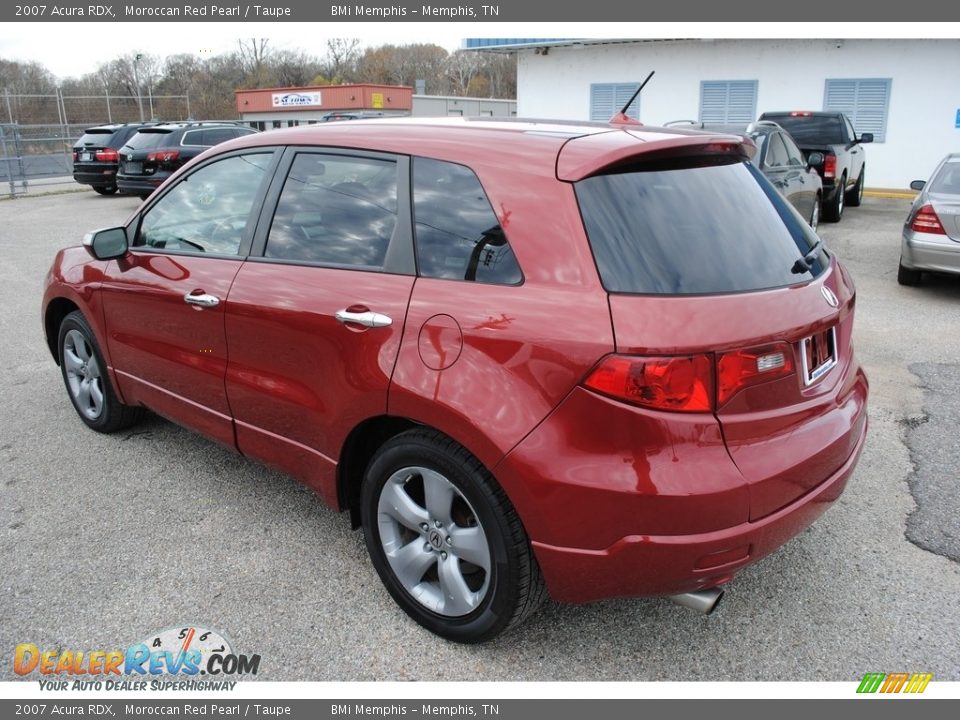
<point x="108" y="538"/>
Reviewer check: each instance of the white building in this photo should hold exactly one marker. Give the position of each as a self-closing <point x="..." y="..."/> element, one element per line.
<point x="907" y="92"/>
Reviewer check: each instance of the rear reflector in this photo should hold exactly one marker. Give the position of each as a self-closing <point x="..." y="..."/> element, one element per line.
<point x="683" y="384"/>
<point x="927" y="221"/>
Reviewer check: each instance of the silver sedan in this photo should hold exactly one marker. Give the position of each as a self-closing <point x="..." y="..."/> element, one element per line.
<point x="931" y="234"/>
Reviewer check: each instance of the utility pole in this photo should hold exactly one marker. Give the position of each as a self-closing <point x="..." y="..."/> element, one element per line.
<point x="136" y="79"/>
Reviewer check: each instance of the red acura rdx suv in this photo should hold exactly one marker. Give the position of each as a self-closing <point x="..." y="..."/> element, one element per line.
<point x="530" y="358"/>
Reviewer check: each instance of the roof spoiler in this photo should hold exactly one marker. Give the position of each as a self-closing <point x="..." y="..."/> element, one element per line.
<point x="621" y="118"/>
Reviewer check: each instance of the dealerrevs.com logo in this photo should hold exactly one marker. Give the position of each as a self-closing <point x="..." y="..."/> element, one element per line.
<point x="172" y="659"/>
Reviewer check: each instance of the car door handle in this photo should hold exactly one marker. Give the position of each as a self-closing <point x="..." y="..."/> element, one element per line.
<point x="369" y="319"/>
<point x="202" y="300"/>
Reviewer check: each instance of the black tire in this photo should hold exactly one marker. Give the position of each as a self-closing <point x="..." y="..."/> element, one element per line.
<point x="832" y="210"/>
<point x="86" y="378"/>
<point x="499" y="597"/>
<point x="144" y="196"/>
<point x="105" y="189"/>
<point x="906" y="276"/>
<point x="855" y="196"/>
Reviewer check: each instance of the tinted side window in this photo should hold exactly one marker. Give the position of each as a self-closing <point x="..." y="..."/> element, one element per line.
<point x="794" y="156"/>
<point x="192" y="137"/>
<point x="335" y="210"/>
<point x="458" y="235"/>
<point x="776" y="152"/>
<point x="207" y="211"/>
<point x="217" y="136"/>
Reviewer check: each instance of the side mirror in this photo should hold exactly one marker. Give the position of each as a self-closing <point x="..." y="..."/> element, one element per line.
<point x="866" y="138"/>
<point x="107" y="243"/>
<point x="815" y="159"/>
<point x="918" y="184"/>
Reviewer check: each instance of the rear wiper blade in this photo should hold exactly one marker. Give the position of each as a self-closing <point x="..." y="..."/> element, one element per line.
<point x="802" y="265"/>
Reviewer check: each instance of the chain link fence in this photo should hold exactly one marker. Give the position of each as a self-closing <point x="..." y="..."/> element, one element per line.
<point x="36" y="142"/>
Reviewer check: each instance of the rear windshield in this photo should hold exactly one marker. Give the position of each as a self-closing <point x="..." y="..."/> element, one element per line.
<point x="811" y="129"/>
<point x="948" y="179"/>
<point x="148" y="139"/>
<point x="96" y="136"/>
<point x="694" y="231"/>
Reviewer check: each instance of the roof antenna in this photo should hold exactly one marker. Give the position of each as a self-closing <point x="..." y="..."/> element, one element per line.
<point x="621" y="118"/>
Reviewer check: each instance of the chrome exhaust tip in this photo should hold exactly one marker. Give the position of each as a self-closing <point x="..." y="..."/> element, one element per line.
<point x="703" y="601"/>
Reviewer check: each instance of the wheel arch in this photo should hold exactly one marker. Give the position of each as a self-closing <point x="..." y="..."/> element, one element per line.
<point x="57" y="309"/>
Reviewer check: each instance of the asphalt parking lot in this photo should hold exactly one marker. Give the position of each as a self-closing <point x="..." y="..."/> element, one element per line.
<point x="106" y="539"/>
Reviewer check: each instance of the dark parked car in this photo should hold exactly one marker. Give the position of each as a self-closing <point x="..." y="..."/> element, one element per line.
<point x="844" y="165"/>
<point x="931" y="234"/>
<point x="96" y="155"/>
<point x="794" y="176"/>
<point x="589" y="360"/>
<point x="155" y="153"/>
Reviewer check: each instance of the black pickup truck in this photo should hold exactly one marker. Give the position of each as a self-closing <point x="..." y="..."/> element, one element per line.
<point x="844" y="165"/>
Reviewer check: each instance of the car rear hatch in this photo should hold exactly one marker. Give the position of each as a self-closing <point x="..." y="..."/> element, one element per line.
<point x="94" y="147"/>
<point x="139" y="155"/>
<point x="723" y="302"/>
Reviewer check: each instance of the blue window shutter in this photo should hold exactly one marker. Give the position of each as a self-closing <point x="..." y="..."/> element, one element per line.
<point x="606" y="99"/>
<point x="865" y="101"/>
<point x="728" y="102"/>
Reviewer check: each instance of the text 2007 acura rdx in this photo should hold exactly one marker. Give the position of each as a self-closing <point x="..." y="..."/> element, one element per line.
<point x="529" y="358"/>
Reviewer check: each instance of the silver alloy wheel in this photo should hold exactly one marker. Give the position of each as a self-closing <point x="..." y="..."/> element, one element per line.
<point x="83" y="374"/>
<point x="815" y="214"/>
<point x="433" y="541"/>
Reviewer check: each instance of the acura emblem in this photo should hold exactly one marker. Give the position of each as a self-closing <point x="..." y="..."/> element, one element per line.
<point x="829" y="296"/>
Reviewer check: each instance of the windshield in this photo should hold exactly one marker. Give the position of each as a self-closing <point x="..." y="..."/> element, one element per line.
<point x="694" y="230"/>
<point x="811" y="129"/>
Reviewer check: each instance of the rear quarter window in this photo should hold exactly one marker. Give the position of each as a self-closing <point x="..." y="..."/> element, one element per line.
<point x="458" y="235"/>
<point x="693" y="231"/>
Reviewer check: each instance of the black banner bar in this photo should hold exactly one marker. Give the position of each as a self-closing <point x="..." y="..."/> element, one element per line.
<point x="487" y="11"/>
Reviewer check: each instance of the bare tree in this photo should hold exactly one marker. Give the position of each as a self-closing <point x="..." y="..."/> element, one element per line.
<point x="340" y="62"/>
<point x="254" y="53"/>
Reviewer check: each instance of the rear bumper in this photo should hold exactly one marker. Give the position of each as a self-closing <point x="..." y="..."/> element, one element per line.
<point x="102" y="176"/>
<point x="924" y="251"/>
<point x="640" y="565"/>
<point x="135" y="185"/>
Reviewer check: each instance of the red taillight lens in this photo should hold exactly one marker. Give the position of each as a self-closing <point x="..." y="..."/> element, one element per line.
<point x="163" y="156"/>
<point x="927" y="221"/>
<point x="665" y="383"/>
<point x="830" y="167"/>
<point x="801" y="113"/>
<point x="752" y="366"/>
<point x="107" y="155"/>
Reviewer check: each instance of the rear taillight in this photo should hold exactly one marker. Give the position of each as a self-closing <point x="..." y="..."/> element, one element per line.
<point x="927" y="221"/>
<point x="830" y="166"/>
<point x="665" y="383"/>
<point x="163" y="156"/>
<point x="107" y="155"/>
<point x="801" y="113"/>
<point x="76" y="155"/>
<point x="742" y="368"/>
<point x="686" y="383"/>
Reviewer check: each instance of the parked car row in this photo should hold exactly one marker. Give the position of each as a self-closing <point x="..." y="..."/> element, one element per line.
<point x="807" y="155"/>
<point x="135" y="158"/>
<point x="589" y="360"/>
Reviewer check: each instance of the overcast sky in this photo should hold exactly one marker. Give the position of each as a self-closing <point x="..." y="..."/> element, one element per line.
<point x="73" y="49"/>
